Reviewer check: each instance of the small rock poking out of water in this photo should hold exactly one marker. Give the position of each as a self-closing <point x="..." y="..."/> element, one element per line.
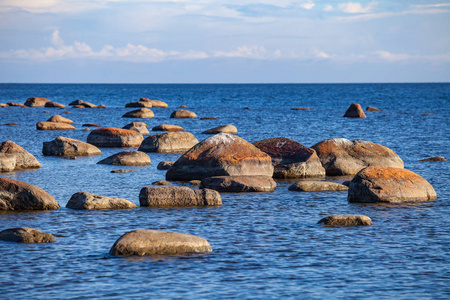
<point x="18" y="195"/>
<point x="427" y="115"/>
<point x="346" y="220"/>
<point x="355" y="111"/>
<point x="91" y="125"/>
<point x="127" y="158"/>
<point x="82" y="104"/>
<point x="12" y="124"/>
<point x="169" y="142"/>
<point x="115" y="138"/>
<point x="301" y="108"/>
<point x="183" y="114"/>
<point x="167" y="127"/>
<point x="221" y="155"/>
<point x="291" y="159"/>
<point x="317" y="186"/>
<point x="165" y="165"/>
<point x="231" y="129"/>
<point x="161" y="182"/>
<point x="83" y="200"/>
<point x="183" y="106"/>
<point x="371" y="108"/>
<point x="142" y="113"/>
<point x="13" y="158"/>
<point x="54" y="104"/>
<point x="146" y="104"/>
<point x="67" y="147"/>
<point x="155" y="242"/>
<point x="26" y="235"/>
<point x="122" y="171"/>
<point x="54" y="126"/>
<point x="389" y="185"/>
<point x="154" y="103"/>
<point x="170" y="196"/>
<point x="140" y="127"/>
<point x="60" y="119"/>
<point x="36" y="102"/>
<point x="345" y="157"/>
<point x="15" y="104"/>
<point x="239" y="184"/>
<point x="208" y="118"/>
<point x="434" y="158"/>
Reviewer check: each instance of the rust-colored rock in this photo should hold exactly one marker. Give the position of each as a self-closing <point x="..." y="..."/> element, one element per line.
<point x="54" y="104"/>
<point x="371" y="108"/>
<point x="291" y="159"/>
<point x="169" y="142"/>
<point x="346" y="220"/>
<point x="221" y="155"/>
<point x="13" y="158"/>
<point x="54" y="126"/>
<point x="36" y="102"/>
<point x="60" y="119"/>
<point x="178" y="196"/>
<point x="167" y="127"/>
<point x="140" y="127"/>
<point x="115" y="137"/>
<point x="231" y="129"/>
<point x="317" y="186"/>
<point x="127" y="158"/>
<point x="239" y="184"/>
<point x="345" y="157"/>
<point x="26" y="235"/>
<point x="183" y="114"/>
<point x="355" y="111"/>
<point x="142" y="113"/>
<point x="83" y="200"/>
<point x="67" y="147"/>
<point x="389" y="185"/>
<point x="18" y="195"/>
<point x="154" y="242"/>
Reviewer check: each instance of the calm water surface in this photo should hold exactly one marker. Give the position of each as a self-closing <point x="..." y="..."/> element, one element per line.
<point x="266" y="245"/>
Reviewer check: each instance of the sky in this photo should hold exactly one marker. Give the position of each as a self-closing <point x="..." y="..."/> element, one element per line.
<point x="233" y="41"/>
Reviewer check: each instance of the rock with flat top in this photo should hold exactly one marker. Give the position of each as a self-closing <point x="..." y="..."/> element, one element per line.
<point x="36" y="102"/>
<point x="83" y="200"/>
<point x="139" y="104"/>
<point x="26" y="235"/>
<point x="127" y="158"/>
<point x="346" y="220"/>
<point x="317" y="186"/>
<point x="167" y="127"/>
<point x="239" y="184"/>
<point x="169" y="142"/>
<point x="13" y="157"/>
<point x="54" y="104"/>
<point x="161" y="182"/>
<point x="54" y="126"/>
<point x="142" y="113"/>
<point x="371" y="108"/>
<point x="140" y="127"/>
<point x="154" y="103"/>
<point x="66" y="147"/>
<point x="115" y="138"/>
<point x="15" y="104"/>
<point x="60" y="119"/>
<point x="178" y="196"/>
<point x="435" y="158"/>
<point x="231" y="129"/>
<point x="183" y="114"/>
<point x="355" y="111"/>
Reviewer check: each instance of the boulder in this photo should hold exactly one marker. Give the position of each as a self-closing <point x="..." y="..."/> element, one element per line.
<point x="155" y="242"/>
<point x="221" y="155"/>
<point x="239" y="184"/>
<point x="140" y="127"/>
<point x="355" y="111"/>
<point x="83" y="200"/>
<point x="169" y="142"/>
<point x="63" y="146"/>
<point x="54" y="104"/>
<point x="178" y="196"/>
<point x="291" y="159"/>
<point x="15" y="104"/>
<point x="13" y="157"/>
<point x="345" y="157"/>
<point x="139" y="104"/>
<point x="36" y="102"/>
<point x="161" y="182"/>
<point x="60" y="119"/>
<point x="26" y="235"/>
<point x="127" y="158"/>
<point x="115" y="137"/>
<point x="317" y="186"/>
<point x="183" y="114"/>
<point x="18" y="195"/>
<point x="165" y="165"/>
<point x="222" y="129"/>
<point x="389" y="185"/>
<point x="142" y="113"/>
<point x="54" y="126"/>
<point x="76" y="102"/>
<point x="434" y="158"/>
<point x="346" y="220"/>
<point x="371" y="108"/>
<point x="167" y="127"/>
<point x="154" y="103"/>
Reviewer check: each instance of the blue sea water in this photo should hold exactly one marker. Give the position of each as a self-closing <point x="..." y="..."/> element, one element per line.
<point x="265" y="245"/>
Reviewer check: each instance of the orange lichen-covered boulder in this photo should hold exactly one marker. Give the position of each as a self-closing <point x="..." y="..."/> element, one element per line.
<point x="36" y="102"/>
<point x="115" y="137"/>
<point x="60" y="119"/>
<point x="221" y="155"/>
<point x="18" y="195"/>
<point x="390" y="185"/>
<point x="345" y="157"/>
<point x="355" y="111"/>
<point x="291" y="159"/>
<point x="13" y="157"/>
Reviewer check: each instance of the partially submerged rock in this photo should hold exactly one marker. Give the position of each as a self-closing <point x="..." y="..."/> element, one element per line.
<point x="18" y="195"/>
<point x="291" y="159"/>
<point x="355" y="111"/>
<point x="317" y="186"/>
<point x="13" y="158"/>
<point x="123" y="171"/>
<point x="434" y="158"/>
<point x="60" y="119"/>
<point x="165" y="165"/>
<point x="139" y="104"/>
<point x="221" y="155"/>
<point x="371" y="108"/>
<point x="26" y="235"/>
<point x="346" y="220"/>
<point x="15" y="104"/>
<point x="178" y="196"/>
<point x="345" y="157"/>
<point x="82" y="104"/>
<point x="231" y="129"/>
<point x="389" y="185"/>
<point x="115" y="137"/>
<point x="54" y="126"/>
<point x="91" y="125"/>
<point x="154" y="103"/>
<point x="183" y="114"/>
<point x="161" y="182"/>
<point x="63" y="146"/>
<point x="167" y="127"/>
<point x="140" y="127"/>
<point x="36" y="102"/>
<point x="83" y="200"/>
<point x="301" y="108"/>
<point x="169" y="142"/>
<point x="54" y="104"/>
<point x="142" y="113"/>
<point x="239" y="184"/>
<point x="127" y="158"/>
<point x="154" y="242"/>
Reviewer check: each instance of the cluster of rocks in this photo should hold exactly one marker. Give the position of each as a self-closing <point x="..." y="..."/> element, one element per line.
<point x="145" y="102"/>
<point x="85" y="104"/>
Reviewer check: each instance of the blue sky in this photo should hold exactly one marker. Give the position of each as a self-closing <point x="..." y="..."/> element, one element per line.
<point x="234" y="41"/>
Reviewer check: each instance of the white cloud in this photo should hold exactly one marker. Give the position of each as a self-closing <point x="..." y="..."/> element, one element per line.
<point x="56" y="39"/>
<point x="356" y="7"/>
<point x="328" y="8"/>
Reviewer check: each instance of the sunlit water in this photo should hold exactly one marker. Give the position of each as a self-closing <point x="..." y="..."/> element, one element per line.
<point x="265" y="245"/>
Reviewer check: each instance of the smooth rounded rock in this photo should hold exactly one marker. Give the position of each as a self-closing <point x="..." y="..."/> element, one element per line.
<point x="231" y="129"/>
<point x="155" y="242"/>
<point x="13" y="157"/>
<point x="60" y="119"/>
<point x="63" y="146"/>
<point x="434" y="158"/>
<point x="18" y="195"/>
<point x="239" y="184"/>
<point x="317" y="186"/>
<point x="115" y="138"/>
<point x="142" y="113"/>
<point x="154" y="103"/>
<point x="26" y="235"/>
<point x="389" y="185"/>
<point x="139" y="104"/>
<point x="167" y="127"/>
<point x="169" y="142"/>
<point x="54" y="126"/>
<point x="183" y="114"/>
<point x="36" y="102"/>
<point x="346" y="220"/>
<point x="140" y="127"/>
<point x="15" y="104"/>
<point x="127" y="158"/>
<point x="355" y="111"/>
<point x="178" y="196"/>
<point x="83" y="200"/>
<point x="161" y="182"/>
<point x="54" y="104"/>
<point x="165" y="164"/>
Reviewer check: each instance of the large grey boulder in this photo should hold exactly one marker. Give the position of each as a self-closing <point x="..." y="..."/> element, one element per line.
<point x="63" y="146"/>
<point x="178" y="196"/>
<point x="169" y="142"/>
<point x="83" y="200"/>
<point x="26" y="235"/>
<point x="13" y="157"/>
<point x="239" y="184"/>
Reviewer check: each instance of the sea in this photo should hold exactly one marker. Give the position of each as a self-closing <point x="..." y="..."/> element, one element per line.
<point x="265" y="245"/>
